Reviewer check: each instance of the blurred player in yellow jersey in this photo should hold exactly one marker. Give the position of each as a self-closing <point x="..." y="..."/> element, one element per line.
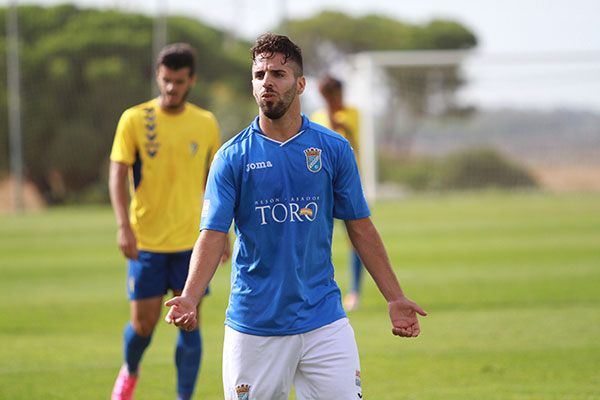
<point x="166" y="146"/>
<point x="344" y="120"/>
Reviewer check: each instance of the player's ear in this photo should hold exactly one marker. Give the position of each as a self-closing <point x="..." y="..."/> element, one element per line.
<point x="300" y="84"/>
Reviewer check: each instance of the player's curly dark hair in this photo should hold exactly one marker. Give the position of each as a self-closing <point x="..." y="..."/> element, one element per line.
<point x="176" y="56"/>
<point x="269" y="44"/>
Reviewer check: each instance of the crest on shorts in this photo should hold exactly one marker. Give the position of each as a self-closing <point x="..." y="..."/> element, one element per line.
<point x="313" y="159"/>
<point x="243" y="392"/>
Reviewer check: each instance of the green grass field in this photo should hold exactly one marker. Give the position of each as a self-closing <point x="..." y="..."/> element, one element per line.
<point x="511" y="282"/>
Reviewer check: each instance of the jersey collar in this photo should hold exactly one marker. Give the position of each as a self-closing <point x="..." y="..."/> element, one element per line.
<point x="305" y="125"/>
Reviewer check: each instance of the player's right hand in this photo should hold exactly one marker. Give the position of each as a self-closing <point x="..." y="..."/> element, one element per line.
<point x="183" y="313"/>
<point x="127" y="243"/>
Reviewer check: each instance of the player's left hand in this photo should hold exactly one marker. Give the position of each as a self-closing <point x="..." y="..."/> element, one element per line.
<point x="403" y="313"/>
<point x="183" y="313"/>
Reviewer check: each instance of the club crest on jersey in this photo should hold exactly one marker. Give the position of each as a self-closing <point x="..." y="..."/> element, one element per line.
<point x="193" y="148"/>
<point x="313" y="159"/>
<point x="243" y="392"/>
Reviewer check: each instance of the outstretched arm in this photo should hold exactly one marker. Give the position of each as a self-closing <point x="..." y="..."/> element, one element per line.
<point x="369" y="246"/>
<point x="203" y="264"/>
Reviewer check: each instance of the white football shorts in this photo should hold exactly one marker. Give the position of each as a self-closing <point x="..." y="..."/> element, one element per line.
<point x="321" y="364"/>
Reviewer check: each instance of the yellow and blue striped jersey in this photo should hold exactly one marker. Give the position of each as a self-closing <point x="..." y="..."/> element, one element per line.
<point x="169" y="157"/>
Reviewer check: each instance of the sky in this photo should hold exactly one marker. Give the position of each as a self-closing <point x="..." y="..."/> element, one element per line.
<point x="507" y="26"/>
<point x="565" y="33"/>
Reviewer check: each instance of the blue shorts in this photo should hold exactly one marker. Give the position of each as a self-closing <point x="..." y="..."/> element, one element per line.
<point x="153" y="274"/>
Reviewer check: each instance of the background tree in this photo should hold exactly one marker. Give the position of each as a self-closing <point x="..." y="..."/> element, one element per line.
<point x="331" y="36"/>
<point x="80" y="68"/>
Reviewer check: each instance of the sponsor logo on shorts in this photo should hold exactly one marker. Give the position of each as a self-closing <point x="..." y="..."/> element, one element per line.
<point x="131" y="284"/>
<point x="243" y="392"/>
<point x="358" y="383"/>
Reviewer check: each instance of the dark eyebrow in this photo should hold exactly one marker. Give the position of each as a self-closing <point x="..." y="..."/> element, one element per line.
<point x="276" y="71"/>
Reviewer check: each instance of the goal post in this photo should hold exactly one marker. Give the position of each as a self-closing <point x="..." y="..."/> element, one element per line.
<point x="365" y="74"/>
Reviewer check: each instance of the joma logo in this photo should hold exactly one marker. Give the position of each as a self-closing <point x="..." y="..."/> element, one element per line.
<point x="258" y="165"/>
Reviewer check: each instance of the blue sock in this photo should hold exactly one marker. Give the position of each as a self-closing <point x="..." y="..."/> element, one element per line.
<point x="188" y="354"/>
<point x="356" y="272"/>
<point x="133" y="348"/>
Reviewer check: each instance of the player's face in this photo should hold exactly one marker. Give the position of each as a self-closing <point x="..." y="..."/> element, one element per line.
<point x="174" y="86"/>
<point x="274" y="85"/>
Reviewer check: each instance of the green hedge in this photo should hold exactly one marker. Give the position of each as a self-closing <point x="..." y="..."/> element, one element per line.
<point x="468" y="169"/>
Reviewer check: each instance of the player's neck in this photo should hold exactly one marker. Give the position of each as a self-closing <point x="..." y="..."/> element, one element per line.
<point x="172" y="110"/>
<point x="281" y="129"/>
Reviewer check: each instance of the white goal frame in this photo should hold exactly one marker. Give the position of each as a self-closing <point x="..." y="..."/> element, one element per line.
<point x="365" y="68"/>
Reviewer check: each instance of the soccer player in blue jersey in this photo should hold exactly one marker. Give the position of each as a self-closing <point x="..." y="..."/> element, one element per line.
<point x="283" y="180"/>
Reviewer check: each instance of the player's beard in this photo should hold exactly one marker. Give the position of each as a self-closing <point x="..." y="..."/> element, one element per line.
<point x="176" y="106"/>
<point x="277" y="109"/>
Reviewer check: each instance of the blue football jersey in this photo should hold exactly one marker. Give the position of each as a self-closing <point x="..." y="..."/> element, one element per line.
<point x="283" y="198"/>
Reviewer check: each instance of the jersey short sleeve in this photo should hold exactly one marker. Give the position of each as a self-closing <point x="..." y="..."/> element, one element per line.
<point x="349" y="199"/>
<point x="219" y="197"/>
<point x="124" y="145"/>
<point x="216" y="139"/>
